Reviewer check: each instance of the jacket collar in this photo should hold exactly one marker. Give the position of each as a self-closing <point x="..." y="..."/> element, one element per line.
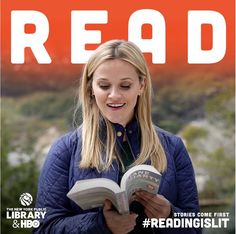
<point x="132" y="131"/>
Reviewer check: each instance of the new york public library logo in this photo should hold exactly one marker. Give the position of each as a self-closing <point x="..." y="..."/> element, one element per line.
<point x="25" y="217"/>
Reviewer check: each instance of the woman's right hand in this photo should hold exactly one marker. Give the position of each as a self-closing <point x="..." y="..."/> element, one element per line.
<point x="118" y="224"/>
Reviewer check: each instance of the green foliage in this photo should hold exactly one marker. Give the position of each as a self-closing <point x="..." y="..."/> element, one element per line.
<point x="220" y="168"/>
<point x="49" y="106"/>
<point x="221" y="107"/>
<point x="5" y="139"/>
<point x="14" y="180"/>
<point x="20" y="132"/>
<point x="190" y="133"/>
<point x="178" y="101"/>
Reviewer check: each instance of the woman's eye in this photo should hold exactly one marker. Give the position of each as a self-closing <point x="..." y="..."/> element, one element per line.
<point x="125" y="86"/>
<point x="104" y="86"/>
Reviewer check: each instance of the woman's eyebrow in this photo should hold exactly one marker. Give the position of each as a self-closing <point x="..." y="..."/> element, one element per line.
<point x="105" y="79"/>
<point x="126" y="78"/>
<point x="102" y="79"/>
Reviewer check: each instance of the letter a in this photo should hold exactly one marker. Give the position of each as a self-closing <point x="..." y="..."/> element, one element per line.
<point x="157" y="44"/>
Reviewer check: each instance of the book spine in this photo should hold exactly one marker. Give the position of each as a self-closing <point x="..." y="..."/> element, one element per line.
<point x="123" y="204"/>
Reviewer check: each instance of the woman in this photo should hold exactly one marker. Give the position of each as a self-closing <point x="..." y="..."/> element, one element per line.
<point x="117" y="132"/>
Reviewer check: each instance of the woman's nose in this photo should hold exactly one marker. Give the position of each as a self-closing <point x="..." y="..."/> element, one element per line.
<point x="114" y="93"/>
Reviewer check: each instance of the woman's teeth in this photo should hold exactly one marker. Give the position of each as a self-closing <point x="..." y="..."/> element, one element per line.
<point x="116" y="105"/>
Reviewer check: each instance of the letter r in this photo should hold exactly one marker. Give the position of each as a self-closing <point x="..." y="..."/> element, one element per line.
<point x="20" y="40"/>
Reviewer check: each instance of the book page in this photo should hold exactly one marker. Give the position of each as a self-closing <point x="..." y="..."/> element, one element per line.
<point x="93" y="197"/>
<point x="92" y="193"/>
<point x="141" y="177"/>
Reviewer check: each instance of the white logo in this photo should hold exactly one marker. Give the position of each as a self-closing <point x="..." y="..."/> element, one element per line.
<point x="25" y="199"/>
<point x="25" y="217"/>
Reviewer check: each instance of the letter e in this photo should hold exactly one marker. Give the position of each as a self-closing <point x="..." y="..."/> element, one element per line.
<point x="80" y="36"/>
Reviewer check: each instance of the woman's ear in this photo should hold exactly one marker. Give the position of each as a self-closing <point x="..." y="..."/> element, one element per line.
<point x="142" y="86"/>
<point x="90" y="84"/>
<point x="91" y="93"/>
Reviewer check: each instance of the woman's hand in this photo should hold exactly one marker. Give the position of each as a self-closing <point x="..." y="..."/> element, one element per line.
<point x="118" y="223"/>
<point x="155" y="206"/>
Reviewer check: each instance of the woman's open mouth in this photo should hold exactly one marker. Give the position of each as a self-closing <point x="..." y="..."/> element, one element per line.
<point x="115" y="106"/>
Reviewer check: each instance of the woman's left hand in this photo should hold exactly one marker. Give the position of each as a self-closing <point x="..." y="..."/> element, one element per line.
<point x="155" y="205"/>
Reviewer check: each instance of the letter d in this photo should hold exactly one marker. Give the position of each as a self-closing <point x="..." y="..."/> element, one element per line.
<point x="195" y="54"/>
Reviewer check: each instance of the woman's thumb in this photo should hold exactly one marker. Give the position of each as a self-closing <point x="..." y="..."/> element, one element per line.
<point x="107" y="205"/>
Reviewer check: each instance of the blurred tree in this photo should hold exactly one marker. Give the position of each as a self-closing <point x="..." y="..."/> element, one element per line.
<point x="49" y="106"/>
<point x="15" y="180"/>
<point x="220" y="168"/>
<point x="177" y="101"/>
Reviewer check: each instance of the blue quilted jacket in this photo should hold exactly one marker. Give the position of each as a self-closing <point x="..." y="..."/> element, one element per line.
<point x="61" y="171"/>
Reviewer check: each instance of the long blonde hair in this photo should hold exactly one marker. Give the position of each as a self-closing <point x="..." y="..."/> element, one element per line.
<point x="93" y="147"/>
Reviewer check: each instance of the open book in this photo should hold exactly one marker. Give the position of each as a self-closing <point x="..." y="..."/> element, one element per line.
<point x="92" y="193"/>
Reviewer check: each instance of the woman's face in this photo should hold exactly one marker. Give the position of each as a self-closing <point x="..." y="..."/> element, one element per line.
<point x="116" y="86"/>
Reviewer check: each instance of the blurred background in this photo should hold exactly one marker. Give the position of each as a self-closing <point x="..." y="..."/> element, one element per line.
<point x="198" y="107"/>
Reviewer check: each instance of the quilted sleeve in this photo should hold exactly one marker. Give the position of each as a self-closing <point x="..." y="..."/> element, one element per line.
<point x="187" y="197"/>
<point x="52" y="190"/>
<point x="185" y="178"/>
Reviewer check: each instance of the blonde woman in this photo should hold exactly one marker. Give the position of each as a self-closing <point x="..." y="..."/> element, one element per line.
<point x="117" y="132"/>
